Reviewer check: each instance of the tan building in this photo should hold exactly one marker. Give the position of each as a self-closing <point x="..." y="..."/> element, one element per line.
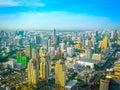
<point x="44" y="67"/>
<point x="33" y="72"/>
<point x="104" y="84"/>
<point x="96" y="57"/>
<point x="60" y="73"/>
<point x="117" y="69"/>
<point x="28" y="51"/>
<point x="34" y="54"/>
<point x="105" y="43"/>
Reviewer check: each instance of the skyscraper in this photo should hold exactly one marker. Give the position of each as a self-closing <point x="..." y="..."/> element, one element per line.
<point x="54" y="38"/>
<point x="70" y="51"/>
<point x="88" y="52"/>
<point x="105" y="43"/>
<point x="60" y="73"/>
<point x="33" y="72"/>
<point x="28" y="50"/>
<point x="44" y="67"/>
<point x="54" y="34"/>
<point x="34" y="53"/>
<point x="96" y="42"/>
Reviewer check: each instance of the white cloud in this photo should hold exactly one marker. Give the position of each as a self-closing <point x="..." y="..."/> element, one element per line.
<point x="22" y="3"/>
<point x="31" y="3"/>
<point x="8" y="3"/>
<point x="50" y="20"/>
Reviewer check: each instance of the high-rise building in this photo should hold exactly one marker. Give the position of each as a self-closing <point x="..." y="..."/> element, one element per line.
<point x="54" y="34"/>
<point x="105" y="43"/>
<point x="96" y="36"/>
<point x="117" y="69"/>
<point x="70" y="51"/>
<point x="37" y="39"/>
<point x="62" y="46"/>
<point x="34" y="53"/>
<point x="96" y="42"/>
<point x="49" y="42"/>
<point x="28" y="50"/>
<point x="44" y="67"/>
<point x="60" y="73"/>
<point x="95" y="46"/>
<point x="33" y="72"/>
<point x="88" y="52"/>
<point x="54" y="38"/>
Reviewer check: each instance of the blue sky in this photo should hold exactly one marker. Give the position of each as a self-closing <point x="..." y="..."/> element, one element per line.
<point x="59" y="14"/>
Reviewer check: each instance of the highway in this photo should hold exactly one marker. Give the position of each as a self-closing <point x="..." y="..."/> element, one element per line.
<point x="109" y="59"/>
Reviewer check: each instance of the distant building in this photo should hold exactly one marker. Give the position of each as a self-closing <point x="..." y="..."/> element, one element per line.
<point x="60" y="73"/>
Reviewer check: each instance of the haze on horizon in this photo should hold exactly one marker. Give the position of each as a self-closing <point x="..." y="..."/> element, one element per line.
<point x="59" y="14"/>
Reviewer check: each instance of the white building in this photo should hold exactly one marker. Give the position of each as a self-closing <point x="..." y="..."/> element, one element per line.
<point x="62" y="46"/>
<point x="70" y="51"/>
<point x="87" y="62"/>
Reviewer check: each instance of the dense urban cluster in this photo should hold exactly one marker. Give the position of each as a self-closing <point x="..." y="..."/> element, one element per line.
<point x="60" y="60"/>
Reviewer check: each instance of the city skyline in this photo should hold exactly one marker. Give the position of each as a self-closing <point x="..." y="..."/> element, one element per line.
<point x="67" y="14"/>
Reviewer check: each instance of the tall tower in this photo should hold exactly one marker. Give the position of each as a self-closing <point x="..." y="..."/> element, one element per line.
<point x="96" y="42"/>
<point x="33" y="72"/>
<point x="105" y="43"/>
<point x="60" y="73"/>
<point x="44" y="67"/>
<point x="54" y="34"/>
<point x="34" y="53"/>
<point x="28" y="50"/>
<point x="54" y="38"/>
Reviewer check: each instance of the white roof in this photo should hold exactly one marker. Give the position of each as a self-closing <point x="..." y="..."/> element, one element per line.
<point x="71" y="83"/>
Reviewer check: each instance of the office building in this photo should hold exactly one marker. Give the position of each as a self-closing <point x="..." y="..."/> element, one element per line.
<point x="33" y="72"/>
<point x="88" y="52"/>
<point x="60" y="73"/>
<point x="70" y="51"/>
<point x="62" y="46"/>
<point x="117" y="69"/>
<point x="34" y="53"/>
<point x="44" y="67"/>
<point x="105" y="43"/>
<point x="28" y="50"/>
